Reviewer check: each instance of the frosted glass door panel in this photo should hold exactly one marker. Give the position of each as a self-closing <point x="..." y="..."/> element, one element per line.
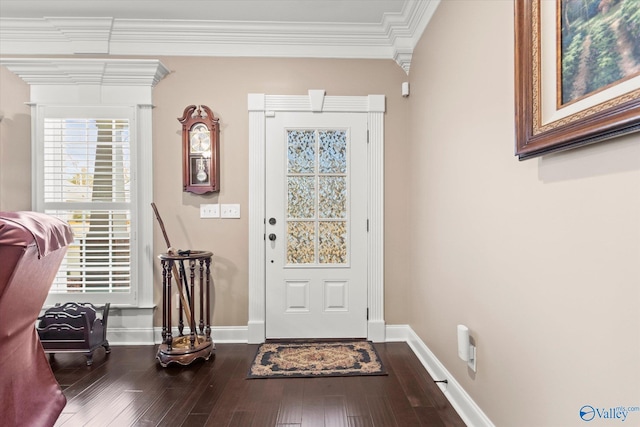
<point x="317" y="195"/>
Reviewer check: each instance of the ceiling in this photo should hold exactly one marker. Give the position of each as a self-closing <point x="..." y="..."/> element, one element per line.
<point x="381" y="29"/>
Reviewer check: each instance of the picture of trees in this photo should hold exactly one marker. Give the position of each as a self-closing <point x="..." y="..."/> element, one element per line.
<point x="600" y="45"/>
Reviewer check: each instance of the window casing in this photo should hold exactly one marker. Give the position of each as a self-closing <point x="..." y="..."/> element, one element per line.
<point x="103" y="88"/>
<point x="85" y="174"/>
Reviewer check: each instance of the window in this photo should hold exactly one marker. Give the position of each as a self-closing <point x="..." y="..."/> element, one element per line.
<point x="87" y="182"/>
<point x="86" y="163"/>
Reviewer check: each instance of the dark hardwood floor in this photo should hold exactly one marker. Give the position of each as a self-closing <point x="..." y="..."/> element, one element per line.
<point x="129" y="388"/>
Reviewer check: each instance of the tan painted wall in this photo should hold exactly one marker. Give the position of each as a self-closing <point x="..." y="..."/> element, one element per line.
<point x="223" y="85"/>
<point x="540" y="259"/>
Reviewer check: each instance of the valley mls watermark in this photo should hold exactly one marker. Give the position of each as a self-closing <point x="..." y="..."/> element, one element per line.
<point x="619" y="413"/>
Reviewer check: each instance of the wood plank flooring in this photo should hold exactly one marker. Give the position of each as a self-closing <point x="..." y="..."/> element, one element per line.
<point x="129" y="388"/>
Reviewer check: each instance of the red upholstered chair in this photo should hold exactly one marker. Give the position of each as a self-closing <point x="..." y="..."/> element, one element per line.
<point x="32" y="246"/>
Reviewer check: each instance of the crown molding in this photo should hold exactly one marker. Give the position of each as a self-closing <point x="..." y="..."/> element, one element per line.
<point x="394" y="38"/>
<point x="85" y="71"/>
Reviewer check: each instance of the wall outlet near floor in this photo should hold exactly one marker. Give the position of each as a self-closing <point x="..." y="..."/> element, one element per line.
<point x="230" y="211"/>
<point x="210" y="211"/>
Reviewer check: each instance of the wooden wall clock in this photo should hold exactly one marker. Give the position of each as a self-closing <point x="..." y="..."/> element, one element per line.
<point x="200" y="150"/>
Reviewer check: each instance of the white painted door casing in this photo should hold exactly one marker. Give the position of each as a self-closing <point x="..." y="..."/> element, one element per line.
<point x="260" y="107"/>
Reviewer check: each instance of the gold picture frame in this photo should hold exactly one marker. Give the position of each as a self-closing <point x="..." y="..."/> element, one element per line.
<point x="542" y="127"/>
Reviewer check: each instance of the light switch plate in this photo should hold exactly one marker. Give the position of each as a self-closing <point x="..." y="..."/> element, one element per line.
<point x="210" y="211"/>
<point x="230" y="211"/>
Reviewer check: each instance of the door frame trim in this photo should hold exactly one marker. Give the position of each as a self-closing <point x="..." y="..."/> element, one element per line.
<point x="260" y="107"/>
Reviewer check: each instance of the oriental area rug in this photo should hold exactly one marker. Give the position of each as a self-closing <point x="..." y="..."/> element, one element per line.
<point x="315" y="359"/>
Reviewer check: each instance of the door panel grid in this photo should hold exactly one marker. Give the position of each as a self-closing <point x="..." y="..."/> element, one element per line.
<point x="317" y="197"/>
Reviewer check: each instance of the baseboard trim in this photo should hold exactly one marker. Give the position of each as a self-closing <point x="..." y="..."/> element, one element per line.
<point x="464" y="405"/>
<point x="130" y="336"/>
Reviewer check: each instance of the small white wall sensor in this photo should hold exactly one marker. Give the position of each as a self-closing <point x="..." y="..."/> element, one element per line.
<point x="466" y="350"/>
<point x="405" y="89"/>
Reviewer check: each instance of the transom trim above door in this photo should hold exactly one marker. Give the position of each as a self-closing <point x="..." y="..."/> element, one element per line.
<point x="260" y="107"/>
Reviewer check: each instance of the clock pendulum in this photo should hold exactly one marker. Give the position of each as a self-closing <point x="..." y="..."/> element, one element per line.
<point x="201" y="175"/>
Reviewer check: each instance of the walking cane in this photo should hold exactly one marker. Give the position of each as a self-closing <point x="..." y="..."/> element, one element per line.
<point x="185" y="306"/>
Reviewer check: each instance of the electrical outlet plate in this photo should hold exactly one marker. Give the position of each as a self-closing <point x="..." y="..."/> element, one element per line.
<point x="230" y="211"/>
<point x="210" y="211"/>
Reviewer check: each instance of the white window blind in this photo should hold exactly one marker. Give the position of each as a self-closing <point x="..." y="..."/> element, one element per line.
<point x="87" y="164"/>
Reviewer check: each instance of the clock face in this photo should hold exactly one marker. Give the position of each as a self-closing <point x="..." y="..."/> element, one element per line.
<point x="199" y="138"/>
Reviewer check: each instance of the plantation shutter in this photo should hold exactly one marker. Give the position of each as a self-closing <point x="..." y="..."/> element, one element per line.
<point x="87" y="164"/>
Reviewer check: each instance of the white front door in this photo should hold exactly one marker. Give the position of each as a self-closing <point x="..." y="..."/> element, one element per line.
<point x="316" y="225"/>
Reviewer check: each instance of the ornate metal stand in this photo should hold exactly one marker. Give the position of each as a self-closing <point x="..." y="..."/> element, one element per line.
<point x="195" y="278"/>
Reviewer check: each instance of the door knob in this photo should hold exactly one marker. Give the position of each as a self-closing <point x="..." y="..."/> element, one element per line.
<point x="272" y="221"/>
<point x="272" y="237"/>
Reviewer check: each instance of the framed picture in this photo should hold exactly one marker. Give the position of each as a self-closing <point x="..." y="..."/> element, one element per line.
<point x="577" y="73"/>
